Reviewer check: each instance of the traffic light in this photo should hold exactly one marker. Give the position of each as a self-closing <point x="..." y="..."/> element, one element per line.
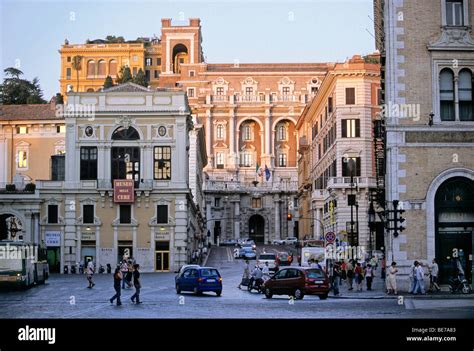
<point x="289" y="216"/>
<point x="395" y="223"/>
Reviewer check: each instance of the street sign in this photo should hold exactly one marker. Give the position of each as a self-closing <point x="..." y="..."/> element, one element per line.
<point x="330" y="237"/>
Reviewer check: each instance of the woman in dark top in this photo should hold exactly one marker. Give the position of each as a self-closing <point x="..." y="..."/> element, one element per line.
<point x="117" y="280"/>
<point x="136" y="283"/>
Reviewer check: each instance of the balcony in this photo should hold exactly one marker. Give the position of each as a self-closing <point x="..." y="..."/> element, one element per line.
<point x="284" y="98"/>
<point x="345" y="182"/>
<point x="250" y="98"/>
<point x="219" y="98"/>
<point x="245" y="187"/>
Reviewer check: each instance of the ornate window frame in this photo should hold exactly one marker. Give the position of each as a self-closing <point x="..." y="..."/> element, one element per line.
<point x="22" y="146"/>
<point x="444" y="21"/>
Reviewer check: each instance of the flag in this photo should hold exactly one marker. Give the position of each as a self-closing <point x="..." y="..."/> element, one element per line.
<point x="259" y="170"/>
<point x="267" y="173"/>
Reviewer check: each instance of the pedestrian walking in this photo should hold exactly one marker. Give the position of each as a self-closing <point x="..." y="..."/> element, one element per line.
<point x="266" y="272"/>
<point x="315" y="264"/>
<point x="343" y="271"/>
<point x="90" y="273"/>
<point x="136" y="283"/>
<point x="369" y="276"/>
<point x="420" y="280"/>
<point x="350" y="274"/>
<point x="245" y="275"/>
<point x="129" y="275"/>
<point x="117" y="280"/>
<point x="392" y="279"/>
<point x="434" y="270"/>
<point x="124" y="271"/>
<point x="359" y="276"/>
<point x="383" y="268"/>
<point x="412" y="277"/>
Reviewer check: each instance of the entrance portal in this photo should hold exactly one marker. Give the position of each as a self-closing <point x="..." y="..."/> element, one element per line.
<point x="454" y="208"/>
<point x="257" y="229"/>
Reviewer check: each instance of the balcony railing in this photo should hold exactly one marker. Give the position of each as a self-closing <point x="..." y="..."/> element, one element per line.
<point x="214" y="185"/>
<point x="284" y="98"/>
<point x="219" y="98"/>
<point x="250" y="98"/>
<point x="345" y="182"/>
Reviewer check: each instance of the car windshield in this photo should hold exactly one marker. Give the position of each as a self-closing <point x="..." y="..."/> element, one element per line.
<point x="284" y="256"/>
<point x="248" y="249"/>
<point x="267" y="257"/>
<point x="209" y="272"/>
<point x="315" y="274"/>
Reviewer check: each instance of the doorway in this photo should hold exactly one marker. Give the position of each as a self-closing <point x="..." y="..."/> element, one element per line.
<point x="257" y="229"/>
<point x="162" y="256"/>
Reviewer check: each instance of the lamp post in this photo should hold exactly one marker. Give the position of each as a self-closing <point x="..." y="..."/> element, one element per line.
<point x="371" y="227"/>
<point x="352" y="199"/>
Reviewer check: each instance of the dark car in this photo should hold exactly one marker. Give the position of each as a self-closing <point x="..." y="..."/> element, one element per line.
<point x="283" y="259"/>
<point x="199" y="280"/>
<point x="297" y="282"/>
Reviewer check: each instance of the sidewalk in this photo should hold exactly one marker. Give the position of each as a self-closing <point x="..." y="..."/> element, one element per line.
<point x="378" y="292"/>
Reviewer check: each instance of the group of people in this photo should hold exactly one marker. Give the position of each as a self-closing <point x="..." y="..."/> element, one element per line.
<point x="258" y="274"/>
<point x="417" y="278"/>
<point x="120" y="275"/>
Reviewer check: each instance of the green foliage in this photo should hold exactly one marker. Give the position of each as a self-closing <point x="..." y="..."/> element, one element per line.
<point x="59" y="99"/>
<point x="108" y="83"/>
<point x="124" y="75"/>
<point x="16" y="91"/>
<point x="140" y="78"/>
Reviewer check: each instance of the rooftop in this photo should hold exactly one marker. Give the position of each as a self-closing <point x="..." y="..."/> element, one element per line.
<point x="28" y="112"/>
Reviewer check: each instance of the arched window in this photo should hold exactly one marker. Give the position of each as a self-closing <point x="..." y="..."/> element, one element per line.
<point x="91" y="68"/>
<point x="446" y="82"/>
<point x="220" y="131"/>
<point x="90" y="90"/>
<point x="465" y="95"/>
<point x="101" y="68"/>
<point x="247" y="132"/>
<point x="123" y="133"/>
<point x="112" y="68"/>
<point x="282" y="132"/>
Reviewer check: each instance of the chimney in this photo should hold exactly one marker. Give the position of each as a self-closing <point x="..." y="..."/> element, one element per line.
<point x="194" y="22"/>
<point x="165" y="22"/>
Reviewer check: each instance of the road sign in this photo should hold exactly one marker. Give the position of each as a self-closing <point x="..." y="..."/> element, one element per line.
<point x="330" y="237"/>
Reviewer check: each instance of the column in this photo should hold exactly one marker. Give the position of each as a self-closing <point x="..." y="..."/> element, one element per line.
<point x="277" y="219"/>
<point x="232" y="137"/>
<point x="268" y="133"/>
<point x="456" y="97"/>
<point x="208" y="134"/>
<point x="317" y="224"/>
<point x="236" y="220"/>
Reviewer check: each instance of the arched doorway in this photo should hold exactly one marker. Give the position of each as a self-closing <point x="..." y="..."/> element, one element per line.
<point x="257" y="229"/>
<point x="454" y="225"/>
<point x="180" y="57"/>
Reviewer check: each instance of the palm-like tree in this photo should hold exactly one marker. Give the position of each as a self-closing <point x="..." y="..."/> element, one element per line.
<point x="77" y="66"/>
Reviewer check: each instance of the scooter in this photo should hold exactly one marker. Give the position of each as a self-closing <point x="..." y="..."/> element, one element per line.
<point x="255" y="284"/>
<point x="459" y="283"/>
<point x="101" y="269"/>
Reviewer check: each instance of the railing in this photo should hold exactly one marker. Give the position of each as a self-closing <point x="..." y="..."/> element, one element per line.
<point x="250" y="98"/>
<point x="284" y="98"/>
<point x="219" y="98"/>
<point x="346" y="182"/>
<point x="214" y="185"/>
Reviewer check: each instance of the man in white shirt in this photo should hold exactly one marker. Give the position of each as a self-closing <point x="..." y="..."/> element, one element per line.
<point x="90" y="273"/>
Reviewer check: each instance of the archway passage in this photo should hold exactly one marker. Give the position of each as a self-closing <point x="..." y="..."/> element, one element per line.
<point x="454" y="216"/>
<point x="180" y="57"/>
<point x="4" y="226"/>
<point x="257" y="229"/>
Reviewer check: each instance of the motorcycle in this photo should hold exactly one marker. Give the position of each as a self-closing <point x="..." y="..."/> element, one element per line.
<point x="101" y="269"/>
<point x="255" y="284"/>
<point x="459" y="283"/>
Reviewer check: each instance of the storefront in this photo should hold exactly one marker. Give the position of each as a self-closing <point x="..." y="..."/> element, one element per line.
<point x="162" y="252"/>
<point x="88" y="248"/>
<point x="52" y="240"/>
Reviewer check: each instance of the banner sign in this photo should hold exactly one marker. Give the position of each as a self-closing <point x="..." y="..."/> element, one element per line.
<point x="124" y="191"/>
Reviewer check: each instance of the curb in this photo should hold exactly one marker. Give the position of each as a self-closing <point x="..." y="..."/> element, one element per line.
<point x="409" y="296"/>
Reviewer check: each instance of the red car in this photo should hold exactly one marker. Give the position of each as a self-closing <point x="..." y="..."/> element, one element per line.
<point x="297" y="282"/>
<point x="283" y="259"/>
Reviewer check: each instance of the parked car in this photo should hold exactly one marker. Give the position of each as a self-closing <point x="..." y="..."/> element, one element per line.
<point x="291" y="240"/>
<point x="283" y="259"/>
<point x="297" y="282"/>
<point x="199" y="280"/>
<point x="278" y="242"/>
<point x="183" y="267"/>
<point x="230" y="242"/>
<point x="269" y="258"/>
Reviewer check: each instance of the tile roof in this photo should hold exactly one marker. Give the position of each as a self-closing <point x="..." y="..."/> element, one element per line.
<point x="28" y="112"/>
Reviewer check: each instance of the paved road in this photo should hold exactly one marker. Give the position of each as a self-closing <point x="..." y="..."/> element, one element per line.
<point x="66" y="296"/>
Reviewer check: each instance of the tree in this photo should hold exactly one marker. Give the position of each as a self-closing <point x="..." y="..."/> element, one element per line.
<point x="140" y="78"/>
<point x="108" y="83"/>
<point x="124" y="75"/>
<point x="59" y="99"/>
<point x="77" y="66"/>
<point x="15" y="91"/>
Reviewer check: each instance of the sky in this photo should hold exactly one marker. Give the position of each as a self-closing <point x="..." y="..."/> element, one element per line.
<point x="31" y="32"/>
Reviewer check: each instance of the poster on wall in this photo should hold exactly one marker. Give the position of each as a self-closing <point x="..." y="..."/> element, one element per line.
<point x="52" y="239"/>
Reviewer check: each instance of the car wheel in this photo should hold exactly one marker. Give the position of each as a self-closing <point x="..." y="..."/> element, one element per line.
<point x="299" y="294"/>
<point x="323" y="297"/>
<point x="178" y="290"/>
<point x="219" y="292"/>
<point x="268" y="293"/>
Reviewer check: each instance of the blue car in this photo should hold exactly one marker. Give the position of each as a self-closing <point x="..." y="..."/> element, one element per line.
<point x="199" y="280"/>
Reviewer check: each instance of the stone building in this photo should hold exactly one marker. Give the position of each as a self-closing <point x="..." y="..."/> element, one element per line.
<point x="336" y="155"/>
<point x="428" y="54"/>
